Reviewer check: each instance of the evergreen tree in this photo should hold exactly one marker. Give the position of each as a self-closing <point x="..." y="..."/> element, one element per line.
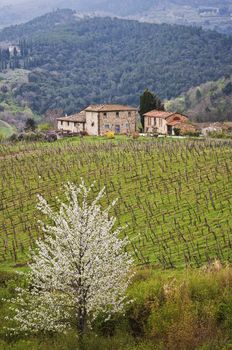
<point x="198" y="94"/>
<point x="30" y="124"/>
<point x="148" y="102"/>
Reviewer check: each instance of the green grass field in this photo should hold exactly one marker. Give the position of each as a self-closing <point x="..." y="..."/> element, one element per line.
<point x="174" y="196"/>
<point x="6" y="130"/>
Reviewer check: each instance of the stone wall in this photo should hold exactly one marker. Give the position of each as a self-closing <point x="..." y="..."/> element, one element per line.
<point x="92" y="126"/>
<point x="122" y="122"/>
<point x="159" y="123"/>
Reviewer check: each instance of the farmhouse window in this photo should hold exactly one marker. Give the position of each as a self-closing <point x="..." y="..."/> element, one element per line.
<point x="105" y="114"/>
<point x="117" y="114"/>
<point x="117" y="129"/>
<point x="127" y="126"/>
<point x="92" y="124"/>
<point x="107" y="126"/>
<point x="129" y="114"/>
<point x="61" y="122"/>
<point x="149" y="121"/>
<point x="68" y="123"/>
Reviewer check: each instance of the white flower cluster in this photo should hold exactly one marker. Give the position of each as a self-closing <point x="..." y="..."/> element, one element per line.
<point x="79" y="270"/>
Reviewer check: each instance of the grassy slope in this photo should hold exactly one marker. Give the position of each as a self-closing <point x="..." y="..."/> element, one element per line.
<point x="6" y="130"/>
<point x="14" y="113"/>
<point x="211" y="103"/>
<point x="175" y="196"/>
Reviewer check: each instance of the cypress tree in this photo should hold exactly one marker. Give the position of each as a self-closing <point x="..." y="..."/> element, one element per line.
<point x="148" y="102"/>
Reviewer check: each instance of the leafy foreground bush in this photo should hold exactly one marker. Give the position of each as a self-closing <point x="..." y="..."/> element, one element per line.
<point x="172" y="310"/>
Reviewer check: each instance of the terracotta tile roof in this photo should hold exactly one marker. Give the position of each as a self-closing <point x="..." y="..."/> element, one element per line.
<point x="178" y="115"/>
<point x="78" y="117"/>
<point x="159" y="114"/>
<point x="109" y="108"/>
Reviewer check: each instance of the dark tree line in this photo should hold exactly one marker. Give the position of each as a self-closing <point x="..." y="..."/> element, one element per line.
<point x="15" y="56"/>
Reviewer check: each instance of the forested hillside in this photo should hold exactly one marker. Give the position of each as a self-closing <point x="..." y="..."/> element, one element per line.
<point x="208" y="102"/>
<point x="74" y="62"/>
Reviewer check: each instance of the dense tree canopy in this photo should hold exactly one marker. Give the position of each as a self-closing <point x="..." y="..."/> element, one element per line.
<point x="210" y="102"/>
<point x="75" y="62"/>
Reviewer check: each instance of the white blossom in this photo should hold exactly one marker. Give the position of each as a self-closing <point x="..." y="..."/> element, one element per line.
<point x="79" y="270"/>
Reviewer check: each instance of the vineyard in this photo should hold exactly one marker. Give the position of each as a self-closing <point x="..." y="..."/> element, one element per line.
<point x="174" y="196"/>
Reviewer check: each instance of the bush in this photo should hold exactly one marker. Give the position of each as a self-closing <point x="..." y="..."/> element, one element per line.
<point x="13" y="138"/>
<point x="219" y="135"/>
<point x="44" y="127"/>
<point x="177" y="131"/>
<point x="110" y="135"/>
<point x="135" y="135"/>
<point x="191" y="133"/>
<point x="51" y="137"/>
<point x="31" y="136"/>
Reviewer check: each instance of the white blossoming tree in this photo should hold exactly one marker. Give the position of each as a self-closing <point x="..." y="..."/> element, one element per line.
<point x="79" y="270"/>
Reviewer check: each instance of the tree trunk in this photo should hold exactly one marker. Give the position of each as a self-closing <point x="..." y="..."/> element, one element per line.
<point x="81" y="322"/>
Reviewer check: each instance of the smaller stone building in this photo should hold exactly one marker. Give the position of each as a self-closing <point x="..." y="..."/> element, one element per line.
<point x="98" y="119"/>
<point x="72" y="124"/>
<point x="164" y="123"/>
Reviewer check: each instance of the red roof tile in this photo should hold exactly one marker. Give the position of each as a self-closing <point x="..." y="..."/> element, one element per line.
<point x="158" y="114"/>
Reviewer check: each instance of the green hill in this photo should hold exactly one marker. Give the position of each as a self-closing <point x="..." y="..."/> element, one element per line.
<point x="208" y="102"/>
<point x="75" y="62"/>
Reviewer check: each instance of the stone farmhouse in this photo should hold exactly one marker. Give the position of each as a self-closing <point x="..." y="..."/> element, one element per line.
<point x="98" y="119"/>
<point x="165" y="123"/>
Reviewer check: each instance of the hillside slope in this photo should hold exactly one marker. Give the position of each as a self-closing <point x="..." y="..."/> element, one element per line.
<point x="12" y="111"/>
<point x="75" y="62"/>
<point x="208" y="102"/>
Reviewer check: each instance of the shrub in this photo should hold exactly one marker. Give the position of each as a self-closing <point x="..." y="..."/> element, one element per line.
<point x="177" y="131"/>
<point x="110" y="135"/>
<point x="31" y="136"/>
<point x="192" y="133"/>
<point x="51" y="137"/>
<point x="13" y="138"/>
<point x="44" y="127"/>
<point x="219" y="135"/>
<point x="135" y="135"/>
